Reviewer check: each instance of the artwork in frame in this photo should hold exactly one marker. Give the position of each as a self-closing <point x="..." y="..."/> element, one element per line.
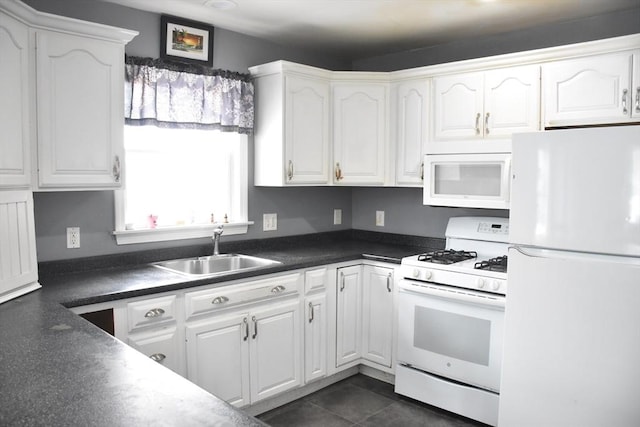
<point x="185" y="40"/>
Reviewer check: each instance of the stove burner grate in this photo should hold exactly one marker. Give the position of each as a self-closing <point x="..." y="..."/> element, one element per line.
<point x="494" y="264"/>
<point x="447" y="256"/>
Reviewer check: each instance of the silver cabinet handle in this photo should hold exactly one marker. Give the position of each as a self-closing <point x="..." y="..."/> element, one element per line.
<point x="246" y="329"/>
<point x="341" y="281"/>
<point x="255" y="327"/>
<point x="116" y="169"/>
<point x="486" y="124"/>
<point x="338" y="172"/>
<point x="624" y="101"/>
<point x="478" y="123"/>
<point x="157" y="357"/>
<point x="278" y="289"/>
<point x="220" y="300"/>
<point x="290" y="170"/>
<point x="310" y="312"/>
<point x="638" y="99"/>
<point x="422" y="171"/>
<point x="154" y="312"/>
<point x="389" y="282"/>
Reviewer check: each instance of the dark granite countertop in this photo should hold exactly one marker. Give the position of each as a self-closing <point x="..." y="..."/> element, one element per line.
<point x="58" y="369"/>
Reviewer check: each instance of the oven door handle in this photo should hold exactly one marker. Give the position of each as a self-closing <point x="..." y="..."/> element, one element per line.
<point x="477" y="298"/>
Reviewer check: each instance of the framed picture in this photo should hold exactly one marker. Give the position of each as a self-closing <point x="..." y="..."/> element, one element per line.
<point x="185" y="40"/>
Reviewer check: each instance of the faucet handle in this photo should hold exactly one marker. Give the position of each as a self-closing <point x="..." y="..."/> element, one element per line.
<point x="218" y="230"/>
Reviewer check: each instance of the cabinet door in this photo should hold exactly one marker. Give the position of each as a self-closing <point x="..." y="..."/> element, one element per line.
<point x="18" y="262"/>
<point x="591" y="90"/>
<point x="359" y="137"/>
<point x="218" y="357"/>
<point x="162" y="346"/>
<point x="80" y="111"/>
<point x="411" y="122"/>
<point x="315" y="338"/>
<point x="275" y="350"/>
<point x="512" y="101"/>
<point x="349" y="315"/>
<point x="307" y="130"/>
<point x="377" y="306"/>
<point x="458" y="106"/>
<point x="14" y="103"/>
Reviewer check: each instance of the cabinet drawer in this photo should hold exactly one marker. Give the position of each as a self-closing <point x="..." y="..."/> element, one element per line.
<point x="211" y="300"/>
<point x="161" y="347"/>
<point x="151" y="312"/>
<point x="315" y="280"/>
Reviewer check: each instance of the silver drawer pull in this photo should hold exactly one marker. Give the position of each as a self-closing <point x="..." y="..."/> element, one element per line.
<point x="154" y="312"/>
<point x="220" y="300"/>
<point x="311" y="314"/>
<point x="157" y="357"/>
<point x="246" y="329"/>
<point x="389" y="282"/>
<point x="278" y="289"/>
<point x="624" y="101"/>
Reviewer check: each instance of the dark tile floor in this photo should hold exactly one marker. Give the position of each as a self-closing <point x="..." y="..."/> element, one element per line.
<point x="361" y="401"/>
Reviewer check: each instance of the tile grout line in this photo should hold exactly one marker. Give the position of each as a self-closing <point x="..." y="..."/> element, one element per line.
<point x="331" y="412"/>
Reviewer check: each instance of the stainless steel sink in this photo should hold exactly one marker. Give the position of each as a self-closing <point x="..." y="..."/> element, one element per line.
<point x="216" y="265"/>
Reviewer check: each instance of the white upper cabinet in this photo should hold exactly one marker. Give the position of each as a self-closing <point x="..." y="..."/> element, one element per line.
<point x="306" y="130"/>
<point x="14" y="103"/>
<point x="80" y="111"/>
<point x="292" y="137"/>
<point x="62" y="103"/>
<point x="359" y="133"/>
<point x="593" y="90"/>
<point x="478" y="112"/>
<point x="411" y="120"/>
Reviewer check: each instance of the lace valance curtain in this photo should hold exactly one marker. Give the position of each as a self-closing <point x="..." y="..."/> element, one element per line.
<point x="168" y="94"/>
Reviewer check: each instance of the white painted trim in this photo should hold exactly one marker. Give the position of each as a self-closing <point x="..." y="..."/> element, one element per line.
<point x="127" y="237"/>
<point x="47" y="21"/>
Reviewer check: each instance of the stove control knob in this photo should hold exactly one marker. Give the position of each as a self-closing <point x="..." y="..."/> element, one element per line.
<point x="495" y="285"/>
<point x="427" y="275"/>
<point x="416" y="272"/>
<point x="480" y="283"/>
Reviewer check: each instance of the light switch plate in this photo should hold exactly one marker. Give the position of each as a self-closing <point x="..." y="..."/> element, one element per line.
<point x="337" y="216"/>
<point x="269" y="222"/>
<point x="380" y="218"/>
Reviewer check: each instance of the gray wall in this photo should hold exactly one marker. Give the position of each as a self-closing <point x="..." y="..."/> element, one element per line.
<point x="580" y="30"/>
<point x="300" y="210"/>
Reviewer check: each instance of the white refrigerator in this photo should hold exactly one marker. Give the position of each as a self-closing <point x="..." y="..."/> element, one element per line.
<point x="572" y="319"/>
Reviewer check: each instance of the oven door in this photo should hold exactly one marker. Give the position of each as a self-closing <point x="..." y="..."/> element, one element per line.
<point x="456" y="334"/>
<point x="467" y="180"/>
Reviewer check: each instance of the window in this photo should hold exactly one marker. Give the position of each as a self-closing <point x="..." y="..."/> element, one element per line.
<point x="178" y="180"/>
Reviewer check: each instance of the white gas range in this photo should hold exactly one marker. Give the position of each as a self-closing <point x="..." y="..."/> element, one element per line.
<point x="451" y="318"/>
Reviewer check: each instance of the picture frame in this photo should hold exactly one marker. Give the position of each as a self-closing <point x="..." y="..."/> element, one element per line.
<point x="186" y="40"/>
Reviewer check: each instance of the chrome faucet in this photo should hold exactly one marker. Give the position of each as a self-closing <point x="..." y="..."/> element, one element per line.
<point x="216" y="239"/>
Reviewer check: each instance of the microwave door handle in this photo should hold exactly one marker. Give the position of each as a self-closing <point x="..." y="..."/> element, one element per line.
<point x="506" y="179"/>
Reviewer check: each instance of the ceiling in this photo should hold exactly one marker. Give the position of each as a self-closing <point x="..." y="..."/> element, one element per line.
<point x="365" y="28"/>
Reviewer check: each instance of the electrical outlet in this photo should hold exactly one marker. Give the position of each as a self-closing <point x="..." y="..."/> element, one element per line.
<point x="337" y="216"/>
<point x="269" y="222"/>
<point x="73" y="237"/>
<point x="380" y="218"/>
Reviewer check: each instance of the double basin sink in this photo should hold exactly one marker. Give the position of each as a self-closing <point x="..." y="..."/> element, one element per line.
<point x="215" y="265"/>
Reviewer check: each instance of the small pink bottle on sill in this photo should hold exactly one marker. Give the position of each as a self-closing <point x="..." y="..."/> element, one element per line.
<point x="153" y="221"/>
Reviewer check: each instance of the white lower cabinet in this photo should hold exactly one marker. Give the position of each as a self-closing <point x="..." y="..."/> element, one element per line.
<point x="246" y="356"/>
<point x="377" y="314"/>
<point x="18" y="261"/>
<point x="349" y="315"/>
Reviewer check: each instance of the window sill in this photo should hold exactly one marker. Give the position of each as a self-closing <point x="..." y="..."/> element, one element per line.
<point x="127" y="237"/>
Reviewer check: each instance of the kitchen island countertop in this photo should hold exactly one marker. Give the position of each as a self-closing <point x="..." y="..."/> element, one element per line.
<point x="58" y="369"/>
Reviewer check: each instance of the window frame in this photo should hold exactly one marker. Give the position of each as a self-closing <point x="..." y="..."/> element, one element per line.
<point x="180" y="232"/>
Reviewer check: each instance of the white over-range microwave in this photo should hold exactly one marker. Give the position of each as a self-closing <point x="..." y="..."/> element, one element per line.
<point x="467" y="180"/>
